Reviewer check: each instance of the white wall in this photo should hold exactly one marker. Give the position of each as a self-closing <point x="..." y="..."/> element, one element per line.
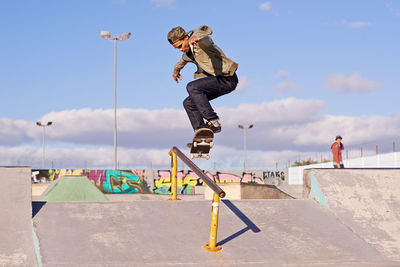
<point x="389" y="160"/>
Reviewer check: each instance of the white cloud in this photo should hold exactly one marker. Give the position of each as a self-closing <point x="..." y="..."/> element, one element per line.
<point x="154" y="128"/>
<point x="282" y="159"/>
<point x="286" y="87"/>
<point x="163" y="3"/>
<point x="14" y="132"/>
<point x="99" y="157"/>
<point x="282" y="74"/>
<point x="228" y="158"/>
<point x="136" y="127"/>
<point x="266" y="6"/>
<point x="243" y="84"/>
<point x="283" y="128"/>
<point x="149" y="128"/>
<point x="356" y="24"/>
<point x="354" y="83"/>
<point x="283" y="111"/>
<point x="393" y="10"/>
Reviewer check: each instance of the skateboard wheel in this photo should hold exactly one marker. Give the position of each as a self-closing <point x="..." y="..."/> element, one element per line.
<point x="194" y="144"/>
<point x="211" y="144"/>
<point x="207" y="157"/>
<point x="191" y="156"/>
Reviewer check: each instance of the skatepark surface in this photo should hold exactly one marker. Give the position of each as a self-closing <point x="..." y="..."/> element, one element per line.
<point x="365" y="200"/>
<point x="327" y="228"/>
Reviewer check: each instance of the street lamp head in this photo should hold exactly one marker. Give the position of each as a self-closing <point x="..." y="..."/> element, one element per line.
<point x="125" y="36"/>
<point x="106" y="35"/>
<point x="38" y="123"/>
<point x="242" y="127"/>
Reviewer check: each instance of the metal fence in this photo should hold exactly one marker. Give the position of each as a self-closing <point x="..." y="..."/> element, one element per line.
<point x="388" y="160"/>
<point x="351" y="151"/>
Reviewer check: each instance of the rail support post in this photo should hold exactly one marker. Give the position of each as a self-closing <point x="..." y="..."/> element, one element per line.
<point x="174" y="182"/>
<point x="212" y="245"/>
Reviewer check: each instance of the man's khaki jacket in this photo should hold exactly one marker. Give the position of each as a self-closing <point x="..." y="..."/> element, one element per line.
<point x="208" y="57"/>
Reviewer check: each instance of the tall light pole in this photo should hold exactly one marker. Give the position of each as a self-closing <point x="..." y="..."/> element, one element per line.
<point x="38" y="123"/>
<point x="244" y="143"/>
<point x="106" y="35"/>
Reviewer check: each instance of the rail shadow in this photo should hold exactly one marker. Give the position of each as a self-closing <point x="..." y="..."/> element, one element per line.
<point x="249" y="224"/>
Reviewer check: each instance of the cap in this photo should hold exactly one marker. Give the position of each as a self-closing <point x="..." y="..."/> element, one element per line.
<point x="176" y="34"/>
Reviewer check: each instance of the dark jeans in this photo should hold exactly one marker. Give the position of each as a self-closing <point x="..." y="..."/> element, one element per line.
<point x="203" y="90"/>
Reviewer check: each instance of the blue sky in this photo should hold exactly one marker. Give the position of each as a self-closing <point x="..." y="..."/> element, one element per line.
<point x="308" y="70"/>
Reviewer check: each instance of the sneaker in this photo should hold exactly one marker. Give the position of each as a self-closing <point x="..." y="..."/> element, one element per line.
<point x="214" y="125"/>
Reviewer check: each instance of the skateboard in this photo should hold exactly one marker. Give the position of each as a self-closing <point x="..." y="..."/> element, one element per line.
<point x="202" y="143"/>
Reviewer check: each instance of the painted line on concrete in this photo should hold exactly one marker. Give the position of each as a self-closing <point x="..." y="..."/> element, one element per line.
<point x="316" y="192"/>
<point x="36" y="246"/>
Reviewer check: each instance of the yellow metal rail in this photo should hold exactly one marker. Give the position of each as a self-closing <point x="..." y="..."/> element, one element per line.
<point x="218" y="193"/>
<point x="174" y="170"/>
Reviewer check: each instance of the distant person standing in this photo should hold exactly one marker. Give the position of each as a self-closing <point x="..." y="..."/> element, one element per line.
<point x="337" y="148"/>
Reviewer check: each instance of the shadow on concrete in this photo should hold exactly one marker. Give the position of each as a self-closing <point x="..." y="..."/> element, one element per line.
<point x="37" y="206"/>
<point x="249" y="224"/>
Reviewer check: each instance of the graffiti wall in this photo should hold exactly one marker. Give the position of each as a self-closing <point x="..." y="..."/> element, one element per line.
<point x="274" y="177"/>
<point x="157" y="181"/>
<point x="188" y="181"/>
<point x="107" y="181"/>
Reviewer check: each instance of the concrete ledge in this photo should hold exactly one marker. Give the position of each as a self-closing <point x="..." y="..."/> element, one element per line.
<point x="16" y="237"/>
<point x="237" y="191"/>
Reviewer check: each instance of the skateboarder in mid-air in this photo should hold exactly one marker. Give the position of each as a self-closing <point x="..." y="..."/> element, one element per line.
<point x="217" y="72"/>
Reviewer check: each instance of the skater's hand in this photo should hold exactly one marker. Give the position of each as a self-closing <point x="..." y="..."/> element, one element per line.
<point x="338" y="165"/>
<point x="176" y="77"/>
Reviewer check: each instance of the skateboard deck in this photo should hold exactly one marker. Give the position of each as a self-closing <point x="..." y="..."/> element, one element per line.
<point x="202" y="143"/>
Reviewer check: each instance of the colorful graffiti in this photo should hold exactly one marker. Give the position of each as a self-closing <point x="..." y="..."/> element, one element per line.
<point x="187" y="182"/>
<point x="274" y="177"/>
<point x="157" y="181"/>
<point x="107" y="181"/>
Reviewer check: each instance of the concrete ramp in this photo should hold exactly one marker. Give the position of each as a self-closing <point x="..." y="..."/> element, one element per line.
<point x="236" y="191"/>
<point x="365" y="200"/>
<point x="172" y="233"/>
<point x="72" y="188"/>
<point x="16" y="229"/>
